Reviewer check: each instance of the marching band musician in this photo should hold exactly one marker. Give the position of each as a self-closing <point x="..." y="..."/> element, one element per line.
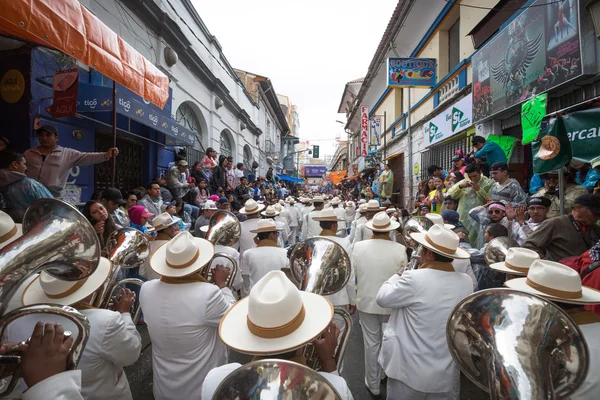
<point x="310" y="227"/>
<point x="267" y="256"/>
<point x="231" y="252"/>
<point x="166" y="227"/>
<point x="362" y="209"/>
<point x="349" y="214"/>
<point x="182" y="311"/>
<point x="272" y="213"/>
<point x="414" y="353"/>
<point x="296" y="218"/>
<point x="375" y="261"/>
<point x="252" y="210"/>
<point x="277" y="321"/>
<point x="114" y="341"/>
<point x="341" y="214"/>
<point x="362" y="233"/>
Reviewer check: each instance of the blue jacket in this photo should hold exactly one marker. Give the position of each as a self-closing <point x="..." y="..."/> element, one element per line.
<point x="19" y="191"/>
<point x="492" y="152"/>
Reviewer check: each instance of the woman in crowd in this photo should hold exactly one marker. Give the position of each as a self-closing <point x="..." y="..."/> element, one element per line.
<point x="435" y="197"/>
<point x="139" y="215"/>
<point x="209" y="163"/>
<point x="102" y="222"/>
<point x="387" y="182"/>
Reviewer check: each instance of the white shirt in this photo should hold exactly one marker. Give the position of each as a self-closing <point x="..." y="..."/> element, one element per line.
<point x="348" y="295"/>
<point x="590" y="388"/>
<point x="364" y="233"/>
<point x="183" y="322"/>
<point x="247" y="240"/>
<point x="340" y="213"/>
<point x="464" y="266"/>
<point x="264" y="259"/>
<point x="145" y="269"/>
<point x="239" y="174"/>
<point x="295" y="215"/>
<point x="374" y="261"/>
<point x="414" y="349"/>
<point x="217" y="375"/>
<point x="353" y="226"/>
<point x="310" y="227"/>
<point x="63" y="386"/>
<point x="233" y="253"/>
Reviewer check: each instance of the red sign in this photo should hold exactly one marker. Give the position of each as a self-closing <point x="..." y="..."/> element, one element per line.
<point x="65" y="85"/>
<point x="364" y="130"/>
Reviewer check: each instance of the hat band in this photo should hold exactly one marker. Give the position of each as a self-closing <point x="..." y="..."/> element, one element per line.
<point x="438" y="247"/>
<point x="554" y="292"/>
<point x="520" y="269"/>
<point x="161" y="226"/>
<point x="8" y="234"/>
<point x="279" y="331"/>
<point x="67" y="292"/>
<point x="267" y="229"/>
<point x="251" y="209"/>
<point x="382" y="226"/>
<point x="185" y="265"/>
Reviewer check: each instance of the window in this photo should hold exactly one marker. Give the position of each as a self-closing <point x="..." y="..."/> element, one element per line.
<point x="248" y="158"/>
<point x="186" y="116"/>
<point x="454" y="45"/>
<point x="225" y="146"/>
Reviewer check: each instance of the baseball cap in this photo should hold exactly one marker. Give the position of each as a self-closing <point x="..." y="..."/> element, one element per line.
<point x="147" y="214"/>
<point x="457" y="158"/>
<point x="591" y="201"/>
<point x="499" y="166"/>
<point x="539" y="201"/>
<point x="182" y="163"/>
<point x="223" y="200"/>
<point x="47" y="128"/>
<point x="451" y="216"/>
<point x="214" y="197"/>
<point x="112" y="194"/>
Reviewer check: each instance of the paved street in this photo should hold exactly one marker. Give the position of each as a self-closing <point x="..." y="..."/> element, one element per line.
<point x="140" y="374"/>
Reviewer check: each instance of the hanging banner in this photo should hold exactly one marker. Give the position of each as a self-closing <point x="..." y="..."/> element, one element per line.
<point x="537" y="51"/>
<point x="507" y="143"/>
<point x="454" y="119"/>
<point x="582" y="128"/>
<point x="375" y="131"/>
<point x="337" y="176"/>
<point x="364" y="130"/>
<point x="552" y="149"/>
<point x="532" y="113"/>
<point x="315" y="170"/>
<point x="411" y="72"/>
<point x="65" y="85"/>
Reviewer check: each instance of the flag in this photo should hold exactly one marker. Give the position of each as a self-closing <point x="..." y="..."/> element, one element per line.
<point x="552" y="149"/>
<point x="532" y="113"/>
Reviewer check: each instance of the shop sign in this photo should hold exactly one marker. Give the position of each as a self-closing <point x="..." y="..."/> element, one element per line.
<point x="364" y="130"/>
<point x="12" y="86"/>
<point x="375" y="131"/>
<point x="411" y="72"/>
<point x="537" y="51"/>
<point x="452" y="120"/>
<point x="315" y="170"/>
<point x="65" y="84"/>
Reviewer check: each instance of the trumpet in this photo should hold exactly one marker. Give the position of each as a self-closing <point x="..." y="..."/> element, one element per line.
<point x="415" y="225"/>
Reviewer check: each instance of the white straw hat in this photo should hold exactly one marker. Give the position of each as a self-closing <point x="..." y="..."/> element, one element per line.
<point x="251" y="207"/>
<point x="555" y="281"/>
<point x="362" y="208"/>
<point x="278" y="207"/>
<point x="518" y="261"/>
<point x="163" y="221"/>
<point x="281" y="202"/>
<point x="362" y="201"/>
<point x="441" y="240"/>
<point x="210" y="205"/>
<point x="9" y="231"/>
<point x="335" y="201"/>
<point x="275" y="318"/>
<point x="327" y="215"/>
<point x="318" y="199"/>
<point x="381" y="222"/>
<point x="266" y="225"/>
<point x="373" y="205"/>
<point x="437" y="219"/>
<point x="47" y="289"/>
<point x="292" y="201"/>
<point x="181" y="256"/>
<point x="270" y="212"/>
<point x="350" y="204"/>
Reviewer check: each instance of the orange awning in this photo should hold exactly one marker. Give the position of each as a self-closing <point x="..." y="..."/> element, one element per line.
<point x="68" y="26"/>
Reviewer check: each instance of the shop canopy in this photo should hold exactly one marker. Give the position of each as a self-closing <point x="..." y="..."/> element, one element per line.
<point x="68" y="26"/>
<point x="290" y="178"/>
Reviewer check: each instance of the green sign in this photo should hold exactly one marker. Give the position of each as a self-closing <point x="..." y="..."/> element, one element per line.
<point x="532" y="113"/>
<point x="507" y="143"/>
<point x="552" y="149"/>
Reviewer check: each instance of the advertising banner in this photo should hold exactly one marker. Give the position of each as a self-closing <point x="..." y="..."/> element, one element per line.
<point x="65" y="84"/>
<point x="454" y="119"/>
<point x="375" y="131"/>
<point x="537" y="51"/>
<point x="411" y="72"/>
<point x="364" y="130"/>
<point x="314" y="171"/>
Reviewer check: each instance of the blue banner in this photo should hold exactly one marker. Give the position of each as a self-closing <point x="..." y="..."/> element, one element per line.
<point x="315" y="171"/>
<point x="411" y="72"/>
<point x="95" y="98"/>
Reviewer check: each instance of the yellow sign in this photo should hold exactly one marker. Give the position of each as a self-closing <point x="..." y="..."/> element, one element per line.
<point x="12" y="86"/>
<point x="416" y="168"/>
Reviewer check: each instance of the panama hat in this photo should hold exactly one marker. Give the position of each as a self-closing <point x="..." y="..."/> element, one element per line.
<point x="275" y="318"/>
<point x="292" y="201"/>
<point x="335" y="201"/>
<point x="181" y="256"/>
<point x="362" y="208"/>
<point x="441" y="240"/>
<point x="350" y="204"/>
<point x="437" y="219"/>
<point x="362" y="201"/>
<point x="373" y="205"/>
<point x="555" y="281"/>
<point x="163" y="221"/>
<point x="270" y="212"/>
<point x="9" y="231"/>
<point x="266" y="225"/>
<point x="518" y="261"/>
<point x="317" y="199"/>
<point x="327" y="215"/>
<point x="278" y="207"/>
<point x="381" y="222"/>
<point x="209" y="205"/>
<point x="251" y="207"/>
<point x="47" y="289"/>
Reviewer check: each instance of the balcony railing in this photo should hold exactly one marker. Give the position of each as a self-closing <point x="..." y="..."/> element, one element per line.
<point x="449" y="89"/>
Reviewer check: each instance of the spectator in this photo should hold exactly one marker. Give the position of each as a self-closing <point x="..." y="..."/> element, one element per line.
<point x="4" y="143"/>
<point x="239" y="173"/>
<point x="197" y="172"/>
<point x="487" y="278"/>
<point x="270" y="174"/>
<point x="458" y="164"/>
<point x="130" y="200"/>
<point x="505" y="189"/>
<point x="435" y="171"/>
<point x="51" y="164"/>
<point x="451" y="217"/>
<point x="520" y="229"/>
<point x="424" y="210"/>
<point x="454" y="178"/>
<point x="152" y="200"/>
<point x="490" y="151"/>
<point x="482" y="216"/>
<point x="112" y="199"/>
<point x="209" y="163"/>
<point x="101" y="221"/>
<point x="223" y="204"/>
<point x="138" y="218"/>
<point x="165" y="193"/>
<point x="203" y="193"/>
<point x="551" y="191"/>
<point x="435" y="197"/>
<point x="219" y="178"/>
<point x="236" y="206"/>
<point x="387" y="182"/>
<point x="231" y="181"/>
<point x="16" y="188"/>
<point x="450" y="203"/>
<point x="185" y="221"/>
<point x="174" y="182"/>
<point x="209" y="209"/>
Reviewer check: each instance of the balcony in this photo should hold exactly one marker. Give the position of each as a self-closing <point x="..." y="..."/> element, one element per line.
<point x="449" y="89"/>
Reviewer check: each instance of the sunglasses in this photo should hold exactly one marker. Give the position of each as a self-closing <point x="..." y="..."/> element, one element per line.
<point x="492" y="212"/>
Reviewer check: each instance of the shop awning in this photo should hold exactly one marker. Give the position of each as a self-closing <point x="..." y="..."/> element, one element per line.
<point x="290" y="178"/>
<point x="68" y="26"/>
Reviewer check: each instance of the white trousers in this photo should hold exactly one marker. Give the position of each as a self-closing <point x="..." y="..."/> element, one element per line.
<point x="293" y="235"/>
<point x="371" y="325"/>
<point x="397" y="390"/>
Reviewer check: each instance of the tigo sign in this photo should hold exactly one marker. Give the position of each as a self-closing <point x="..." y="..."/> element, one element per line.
<point x="454" y="119"/>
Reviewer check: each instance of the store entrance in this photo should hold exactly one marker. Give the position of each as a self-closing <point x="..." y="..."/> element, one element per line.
<point x="129" y="163"/>
<point x="397" y="166"/>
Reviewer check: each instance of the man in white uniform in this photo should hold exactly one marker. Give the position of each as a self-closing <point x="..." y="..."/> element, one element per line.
<point x="349" y="216"/>
<point x="310" y="227"/>
<point x="375" y="261"/>
<point x="277" y="321"/>
<point x="295" y="218"/>
<point x="166" y="228"/>
<point x="363" y="233"/>
<point x="252" y="210"/>
<point x="341" y="214"/>
<point x="267" y="256"/>
<point x="414" y="354"/>
<point x="362" y="209"/>
<point x="182" y="311"/>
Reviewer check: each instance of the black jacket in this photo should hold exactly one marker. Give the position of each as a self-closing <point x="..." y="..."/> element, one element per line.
<point x="219" y="179"/>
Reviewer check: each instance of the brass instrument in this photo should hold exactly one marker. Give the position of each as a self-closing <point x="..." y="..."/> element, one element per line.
<point x="516" y="345"/>
<point x="60" y="241"/>
<point x="415" y="225"/>
<point x="322" y="266"/>
<point x="224" y="229"/>
<point x="206" y="270"/>
<point x="497" y="249"/>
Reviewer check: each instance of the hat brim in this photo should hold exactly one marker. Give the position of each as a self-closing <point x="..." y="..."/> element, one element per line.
<point x="449" y="226"/>
<point x="393" y="226"/>
<point x="589" y="295"/>
<point x="14" y="237"/>
<point x="258" y="209"/>
<point x="158" y="260"/>
<point x="163" y="227"/>
<point x="459" y="253"/>
<point x="501" y="267"/>
<point x="147" y="215"/>
<point x="266" y="230"/>
<point x="329" y="219"/>
<point x="234" y="331"/>
<point x="264" y="214"/>
<point x="34" y="293"/>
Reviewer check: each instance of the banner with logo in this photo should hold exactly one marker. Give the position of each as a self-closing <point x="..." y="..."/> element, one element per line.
<point x="364" y="130"/>
<point x="375" y="131"/>
<point x="315" y="170"/>
<point x="452" y="120"/>
<point x="552" y="149"/>
<point x="65" y="84"/>
<point x="411" y="72"/>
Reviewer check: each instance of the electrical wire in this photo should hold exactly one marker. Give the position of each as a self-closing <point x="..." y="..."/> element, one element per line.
<point x="454" y="3"/>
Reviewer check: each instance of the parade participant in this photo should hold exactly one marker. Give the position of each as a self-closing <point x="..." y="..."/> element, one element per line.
<point x="113" y="342"/>
<point x="414" y="354"/>
<point x="505" y="189"/>
<point x="357" y="213"/>
<point x="341" y="214"/>
<point x="374" y="261"/>
<point x="208" y="211"/>
<point x="362" y="210"/>
<point x="490" y="151"/>
<point x="562" y="285"/>
<point x="307" y="207"/>
<point x="521" y="229"/>
<point x="568" y="235"/>
<point x="51" y="164"/>
<point x="471" y="192"/>
<point x="518" y="261"/>
<point x="349" y="216"/>
<point x="550" y="190"/>
<point x="182" y="311"/>
<point x="362" y="232"/>
<point x="267" y="256"/>
<point x="277" y="321"/>
<point x="166" y="228"/>
<point x="152" y="200"/>
<point x="112" y="199"/>
<point x="283" y="220"/>
<point x="295" y="218"/>
<point x="252" y="210"/>
<point x="310" y="227"/>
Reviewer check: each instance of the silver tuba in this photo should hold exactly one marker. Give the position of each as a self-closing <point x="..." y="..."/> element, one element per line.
<point x="515" y="345"/>
<point x="497" y="249"/>
<point x="416" y="224"/>
<point x="322" y="266"/>
<point x="60" y="241"/>
<point x="224" y="229"/>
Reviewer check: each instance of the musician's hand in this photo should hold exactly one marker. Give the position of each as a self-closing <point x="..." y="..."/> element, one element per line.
<point x="7" y="370"/>
<point x="325" y="347"/>
<point x="220" y="275"/>
<point x="46" y="354"/>
<point x="464" y="184"/>
<point x="124" y="301"/>
<point x="352" y="309"/>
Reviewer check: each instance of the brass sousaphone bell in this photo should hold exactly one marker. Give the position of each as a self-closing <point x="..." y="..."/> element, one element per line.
<point x="497" y="249"/>
<point x="416" y="224"/>
<point x="224" y="229"/>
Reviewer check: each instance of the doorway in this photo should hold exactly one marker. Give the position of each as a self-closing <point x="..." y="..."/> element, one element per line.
<point x="129" y="163"/>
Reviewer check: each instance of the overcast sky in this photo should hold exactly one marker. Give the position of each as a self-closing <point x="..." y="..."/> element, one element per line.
<point x="309" y="49"/>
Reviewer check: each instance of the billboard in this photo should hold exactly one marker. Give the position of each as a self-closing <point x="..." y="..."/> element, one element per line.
<point x="454" y="119"/>
<point x="364" y="130"/>
<point x="314" y="171"/>
<point x="413" y="72"/>
<point x="537" y="51"/>
<point x="375" y="131"/>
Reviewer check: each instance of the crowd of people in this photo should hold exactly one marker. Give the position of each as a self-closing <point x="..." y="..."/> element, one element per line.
<point x="403" y="285"/>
